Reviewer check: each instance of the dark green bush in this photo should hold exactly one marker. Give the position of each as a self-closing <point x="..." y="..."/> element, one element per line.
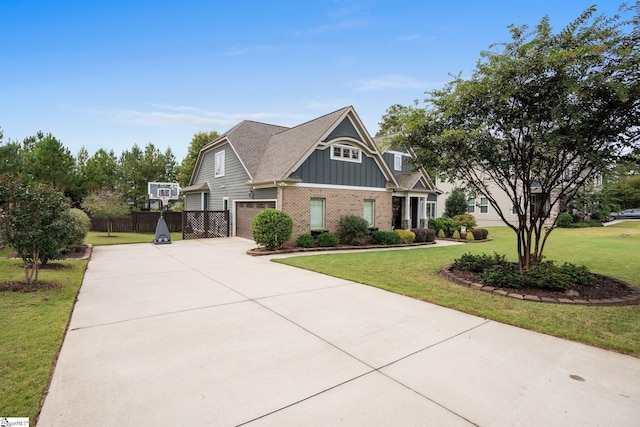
<point x="327" y="240"/>
<point x="565" y="219"/>
<point x="480" y="233"/>
<point x="353" y="229"/>
<point x="305" y="240"/>
<point x="478" y="263"/>
<point x="386" y="238"/>
<point x="579" y="274"/>
<point x="444" y="223"/>
<point x="586" y="224"/>
<point x="271" y="228"/>
<point x="546" y="275"/>
<point x="504" y="275"/>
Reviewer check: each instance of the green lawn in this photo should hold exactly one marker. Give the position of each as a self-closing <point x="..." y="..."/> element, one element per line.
<point x="98" y="238"/>
<point x="33" y="326"/>
<point x="613" y="251"/>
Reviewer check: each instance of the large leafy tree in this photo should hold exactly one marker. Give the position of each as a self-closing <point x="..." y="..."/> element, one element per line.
<point x="10" y="158"/>
<point x="106" y="203"/>
<point x="198" y="141"/>
<point x="540" y="116"/>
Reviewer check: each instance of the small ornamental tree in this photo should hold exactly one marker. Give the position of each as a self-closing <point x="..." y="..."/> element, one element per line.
<point x="32" y="221"/>
<point x="456" y="203"/>
<point x="271" y="228"/>
<point x="106" y="204"/>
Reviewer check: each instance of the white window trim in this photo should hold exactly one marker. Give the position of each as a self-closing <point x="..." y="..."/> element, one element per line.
<point x="219" y="160"/>
<point x="324" y="207"/>
<point x="346" y="159"/>
<point x="397" y="162"/>
<point x="373" y="211"/>
<point x="472" y="206"/>
<point x="481" y="205"/>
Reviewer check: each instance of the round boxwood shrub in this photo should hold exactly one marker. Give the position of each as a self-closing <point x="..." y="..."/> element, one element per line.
<point x="327" y="240"/>
<point x="444" y="224"/>
<point x="353" y="229"/>
<point x="305" y="240"/>
<point x="406" y="236"/>
<point x="480" y="233"/>
<point x="431" y="235"/>
<point x="271" y="228"/>
<point x="565" y="219"/>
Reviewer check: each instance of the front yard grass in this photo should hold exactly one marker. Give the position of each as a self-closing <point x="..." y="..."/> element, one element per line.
<point x="613" y="251"/>
<point x="33" y="327"/>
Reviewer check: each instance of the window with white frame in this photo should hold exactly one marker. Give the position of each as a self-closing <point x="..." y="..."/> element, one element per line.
<point x="484" y="205"/>
<point x="368" y="212"/>
<point x="397" y="162"/>
<point x="317" y="214"/>
<point x="219" y="166"/>
<point x="471" y="205"/>
<point x="346" y="153"/>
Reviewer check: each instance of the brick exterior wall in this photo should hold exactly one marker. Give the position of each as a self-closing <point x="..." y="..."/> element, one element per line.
<point x="296" y="202"/>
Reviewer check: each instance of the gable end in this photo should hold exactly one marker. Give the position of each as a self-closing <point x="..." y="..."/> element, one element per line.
<point x="344" y="130"/>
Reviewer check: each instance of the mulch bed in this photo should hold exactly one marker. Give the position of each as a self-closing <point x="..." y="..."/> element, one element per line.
<point x="605" y="291"/>
<point x="289" y="248"/>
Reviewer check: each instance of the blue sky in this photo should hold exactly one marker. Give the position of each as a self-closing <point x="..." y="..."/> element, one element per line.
<point x="110" y="73"/>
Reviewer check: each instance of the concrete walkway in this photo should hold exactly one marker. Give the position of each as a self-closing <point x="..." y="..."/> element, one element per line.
<point x="197" y="333"/>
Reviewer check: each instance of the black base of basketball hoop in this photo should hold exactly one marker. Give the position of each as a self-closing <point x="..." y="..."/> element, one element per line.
<point x="163" y="237"/>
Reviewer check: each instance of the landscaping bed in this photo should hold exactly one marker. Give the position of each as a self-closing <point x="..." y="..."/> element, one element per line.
<point x="289" y="248"/>
<point x="605" y="291"/>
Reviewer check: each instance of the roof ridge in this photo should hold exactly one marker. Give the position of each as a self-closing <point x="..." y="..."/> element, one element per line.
<point x="318" y="118"/>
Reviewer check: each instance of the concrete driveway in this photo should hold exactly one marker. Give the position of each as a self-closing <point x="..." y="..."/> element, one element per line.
<point x="197" y="333"/>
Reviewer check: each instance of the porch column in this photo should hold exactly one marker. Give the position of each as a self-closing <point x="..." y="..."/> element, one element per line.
<point x="424" y="220"/>
<point x="406" y="221"/>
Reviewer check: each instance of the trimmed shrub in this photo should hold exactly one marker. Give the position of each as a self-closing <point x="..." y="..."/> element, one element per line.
<point x="441" y="234"/>
<point x="444" y="223"/>
<point x="431" y="235"/>
<point x="470" y="237"/>
<point x="271" y="228"/>
<point x="406" y="236"/>
<point x="79" y="225"/>
<point x="327" y="240"/>
<point x="421" y="234"/>
<point x="456" y="234"/>
<point x="305" y="240"/>
<point x="353" y="229"/>
<point x="386" y="238"/>
<point x="318" y="231"/>
<point x="464" y="220"/>
<point x="480" y="233"/>
<point x="504" y="275"/>
<point x="478" y="263"/>
<point x="565" y="219"/>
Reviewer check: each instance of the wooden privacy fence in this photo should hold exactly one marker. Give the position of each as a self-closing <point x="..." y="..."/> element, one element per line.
<point x="205" y="224"/>
<point x="139" y="222"/>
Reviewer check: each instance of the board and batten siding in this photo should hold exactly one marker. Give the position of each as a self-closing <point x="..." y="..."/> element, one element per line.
<point x="344" y="130"/>
<point x="389" y="158"/>
<point x="231" y="185"/>
<point x="319" y="168"/>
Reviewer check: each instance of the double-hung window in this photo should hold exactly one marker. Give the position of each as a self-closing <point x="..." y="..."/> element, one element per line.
<point x="471" y="205"/>
<point x="317" y="214"/>
<point x="484" y="205"/>
<point x="219" y="166"/>
<point x="397" y="162"/>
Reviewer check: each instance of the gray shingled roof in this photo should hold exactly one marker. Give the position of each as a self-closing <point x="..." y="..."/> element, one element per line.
<point x="287" y="148"/>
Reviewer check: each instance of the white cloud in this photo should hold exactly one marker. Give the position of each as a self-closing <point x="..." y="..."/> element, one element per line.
<point x="189" y="116"/>
<point x="390" y="81"/>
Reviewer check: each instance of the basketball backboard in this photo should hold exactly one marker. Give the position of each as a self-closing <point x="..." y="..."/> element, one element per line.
<point x="161" y="190"/>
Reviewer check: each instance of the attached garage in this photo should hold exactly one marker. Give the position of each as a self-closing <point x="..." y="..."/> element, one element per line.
<point x="245" y="212"/>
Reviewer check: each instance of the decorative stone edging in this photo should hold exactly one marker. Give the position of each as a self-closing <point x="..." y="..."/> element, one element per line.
<point x="632" y="299"/>
<point x="263" y="251"/>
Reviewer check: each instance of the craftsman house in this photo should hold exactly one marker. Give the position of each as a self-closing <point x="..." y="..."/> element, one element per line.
<point x="316" y="172"/>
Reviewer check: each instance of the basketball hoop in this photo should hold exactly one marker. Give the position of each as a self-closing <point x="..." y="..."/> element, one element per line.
<point x="165" y="199"/>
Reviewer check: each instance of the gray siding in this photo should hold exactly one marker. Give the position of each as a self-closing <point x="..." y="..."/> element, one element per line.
<point x="192" y="201"/>
<point x="319" y="168"/>
<point x="231" y="185"/>
<point x="407" y="167"/>
<point x="344" y="129"/>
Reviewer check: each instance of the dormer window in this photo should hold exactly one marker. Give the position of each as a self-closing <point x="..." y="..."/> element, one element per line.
<point x="346" y="153"/>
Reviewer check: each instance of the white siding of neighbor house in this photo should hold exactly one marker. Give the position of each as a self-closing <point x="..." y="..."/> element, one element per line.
<point x="231" y="185"/>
